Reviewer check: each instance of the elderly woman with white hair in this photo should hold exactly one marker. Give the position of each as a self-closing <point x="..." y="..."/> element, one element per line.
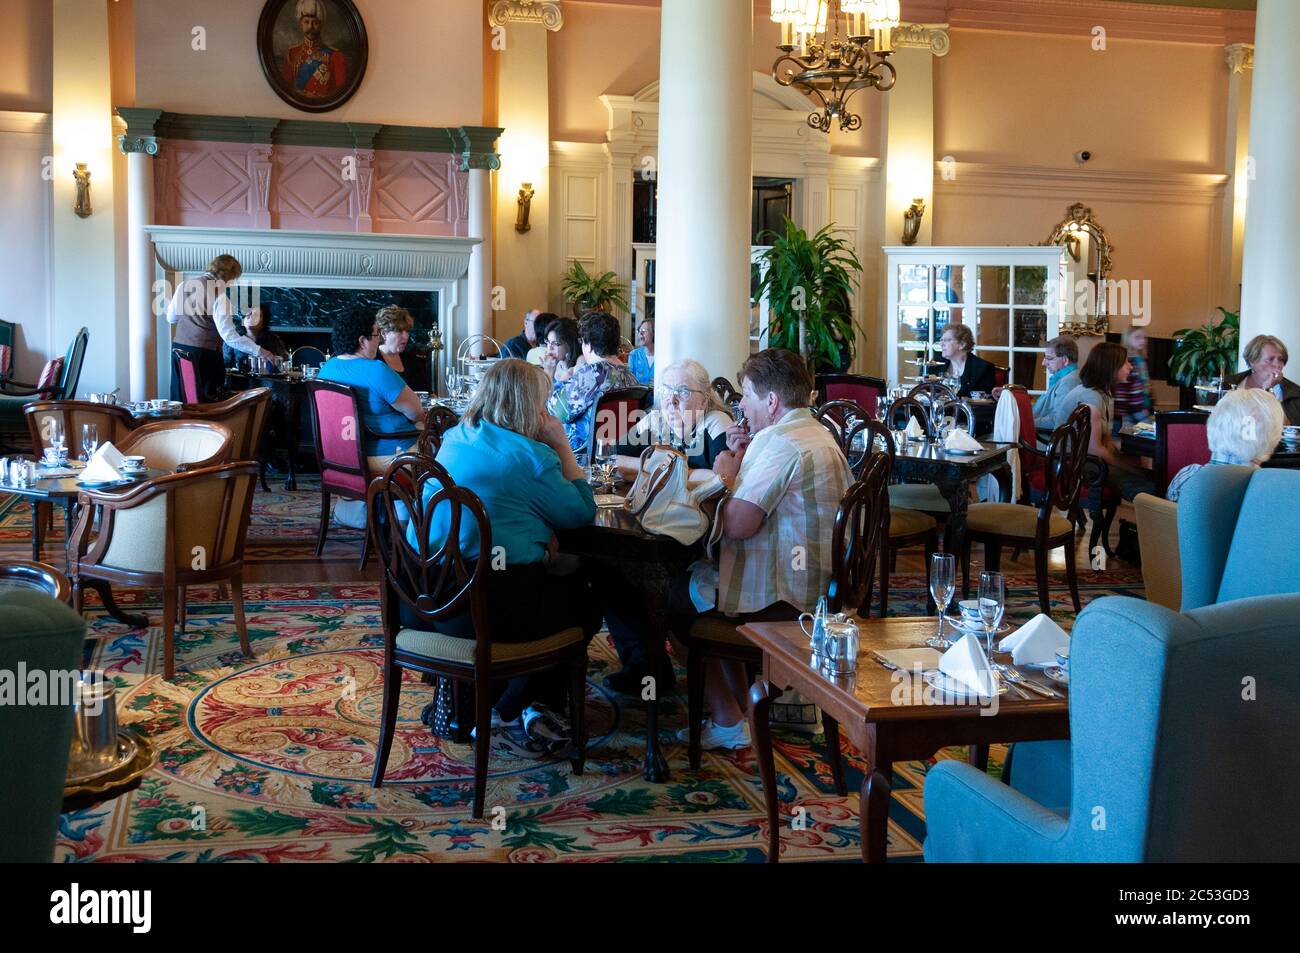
<point x="688" y="415"/>
<point x="1243" y="430"/>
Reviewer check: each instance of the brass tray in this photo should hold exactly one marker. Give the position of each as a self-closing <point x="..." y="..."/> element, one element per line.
<point x="142" y="757"/>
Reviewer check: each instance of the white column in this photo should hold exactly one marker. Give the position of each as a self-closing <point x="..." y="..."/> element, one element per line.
<point x="140" y="275"/>
<point x="1240" y="61"/>
<point x="705" y="183"/>
<point x="480" y="259"/>
<point x="1267" y="295"/>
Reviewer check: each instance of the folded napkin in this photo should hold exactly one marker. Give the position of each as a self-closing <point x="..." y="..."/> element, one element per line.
<point x="967" y="665"/>
<point x="1036" y="642"/>
<point x="104" y="467"/>
<point x="961" y="440"/>
<point x="914" y="429"/>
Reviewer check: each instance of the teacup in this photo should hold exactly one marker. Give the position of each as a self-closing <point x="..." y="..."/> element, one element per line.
<point x="1063" y="660"/>
<point x="970" y="611"/>
<point x="1291" y="433"/>
<point x="158" y="403"/>
<point x="53" y="457"/>
<point x="134" y="462"/>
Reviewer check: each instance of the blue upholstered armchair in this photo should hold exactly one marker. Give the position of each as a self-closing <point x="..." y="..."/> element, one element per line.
<point x="1182" y="746"/>
<point x="1238" y="534"/>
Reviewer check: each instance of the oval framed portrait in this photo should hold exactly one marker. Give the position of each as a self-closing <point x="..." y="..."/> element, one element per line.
<point x="313" y="52"/>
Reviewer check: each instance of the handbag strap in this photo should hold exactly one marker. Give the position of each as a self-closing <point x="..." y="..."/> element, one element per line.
<point x="657" y="479"/>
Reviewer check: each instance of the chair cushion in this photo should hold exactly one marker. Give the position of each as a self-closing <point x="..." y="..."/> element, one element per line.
<point x="909" y="522"/>
<point x="448" y="648"/>
<point x="1011" y="519"/>
<point x="919" y="496"/>
<point x="51" y="373"/>
<point x="715" y="628"/>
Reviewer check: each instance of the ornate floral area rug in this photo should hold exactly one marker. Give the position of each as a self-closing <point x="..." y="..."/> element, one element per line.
<point x="269" y="759"/>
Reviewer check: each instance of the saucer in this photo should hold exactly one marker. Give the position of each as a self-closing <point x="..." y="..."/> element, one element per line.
<point x="1057" y="674"/>
<point x="947" y="685"/>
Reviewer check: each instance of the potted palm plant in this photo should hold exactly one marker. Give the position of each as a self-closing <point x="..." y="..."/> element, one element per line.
<point x="1203" y="357"/>
<point x="588" y="292"/>
<point x="809" y="282"/>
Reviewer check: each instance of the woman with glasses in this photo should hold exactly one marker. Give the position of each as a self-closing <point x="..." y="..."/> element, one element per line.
<point x="603" y="372"/>
<point x="561" y="355"/>
<point x="387" y="404"/>
<point x="688" y="415"/>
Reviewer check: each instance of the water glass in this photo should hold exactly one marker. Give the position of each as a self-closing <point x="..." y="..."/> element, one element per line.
<point x="89" y="440"/>
<point x="54" y="433"/>
<point x="605" y="461"/>
<point x="992" y="605"/>
<point x="943" y="582"/>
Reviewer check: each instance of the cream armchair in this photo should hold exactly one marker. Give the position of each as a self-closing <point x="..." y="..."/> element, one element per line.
<point x="1162" y="569"/>
<point x="181" y="444"/>
<point x="143" y="540"/>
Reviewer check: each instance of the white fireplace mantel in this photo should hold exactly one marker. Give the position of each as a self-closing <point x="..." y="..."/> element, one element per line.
<point x="279" y="258"/>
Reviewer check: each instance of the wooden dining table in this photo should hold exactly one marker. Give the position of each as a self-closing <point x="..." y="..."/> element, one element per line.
<point x="1142" y="443"/>
<point x="926" y="461"/>
<point x="887" y="715"/>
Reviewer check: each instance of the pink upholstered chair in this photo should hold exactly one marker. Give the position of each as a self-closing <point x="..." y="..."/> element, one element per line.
<point x="862" y="390"/>
<point x="1181" y="439"/>
<point x="187" y="370"/>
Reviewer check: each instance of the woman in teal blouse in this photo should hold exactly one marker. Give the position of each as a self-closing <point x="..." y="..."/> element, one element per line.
<point x="515" y="456"/>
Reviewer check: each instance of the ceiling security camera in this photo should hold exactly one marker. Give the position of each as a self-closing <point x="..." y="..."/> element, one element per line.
<point x="1082" y="156"/>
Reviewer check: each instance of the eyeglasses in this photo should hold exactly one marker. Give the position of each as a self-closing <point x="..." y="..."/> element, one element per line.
<point x="681" y="392"/>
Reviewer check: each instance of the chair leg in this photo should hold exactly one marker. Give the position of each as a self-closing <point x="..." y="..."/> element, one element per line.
<point x="884" y="581"/>
<point x="965" y="567"/>
<point x="180" y="607"/>
<point x="365" y="547"/>
<point x="223" y="593"/>
<point x="261" y="473"/>
<point x="695" y="675"/>
<point x="482" y="741"/>
<point x="1040" y="570"/>
<point x="324" y="521"/>
<point x="1108" y="517"/>
<point x="169" y="627"/>
<point x="1072" y="575"/>
<point x="993" y="557"/>
<point x="831" y="727"/>
<point x="578" y="712"/>
<point x="78" y="590"/>
<point x="237" y="601"/>
<point x="387" y="722"/>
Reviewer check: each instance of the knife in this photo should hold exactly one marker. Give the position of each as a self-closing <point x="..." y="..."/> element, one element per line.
<point x="1035" y="687"/>
<point x="884" y="661"/>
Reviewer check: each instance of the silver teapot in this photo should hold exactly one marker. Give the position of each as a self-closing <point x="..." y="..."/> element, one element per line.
<point x="107" y="398"/>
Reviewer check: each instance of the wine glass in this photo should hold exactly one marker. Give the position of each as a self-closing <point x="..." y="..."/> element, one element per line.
<point x="56" y="435"/>
<point x="992" y="604"/>
<point x="605" y="461"/>
<point x="943" y="582"/>
<point x="89" y="440"/>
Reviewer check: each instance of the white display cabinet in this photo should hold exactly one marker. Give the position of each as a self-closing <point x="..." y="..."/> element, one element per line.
<point x="1010" y="297"/>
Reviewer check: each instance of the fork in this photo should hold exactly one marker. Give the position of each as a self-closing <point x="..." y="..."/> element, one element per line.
<point x="1017" y="678"/>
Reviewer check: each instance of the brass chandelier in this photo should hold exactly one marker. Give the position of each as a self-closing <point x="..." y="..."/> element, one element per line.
<point x="820" y="60"/>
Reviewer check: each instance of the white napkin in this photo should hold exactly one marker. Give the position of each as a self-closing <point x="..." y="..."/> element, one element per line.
<point x="1036" y="642"/>
<point x="966" y="664"/>
<point x="914" y="429"/>
<point x="961" y="440"/>
<point x="104" y="467"/>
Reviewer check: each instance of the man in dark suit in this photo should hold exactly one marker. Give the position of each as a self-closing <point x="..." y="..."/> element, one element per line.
<point x="519" y="345"/>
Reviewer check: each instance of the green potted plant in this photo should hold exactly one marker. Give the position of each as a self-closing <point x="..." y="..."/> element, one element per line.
<point x="809" y="282"/>
<point x="1206" y="355"/>
<point x="588" y="292"/>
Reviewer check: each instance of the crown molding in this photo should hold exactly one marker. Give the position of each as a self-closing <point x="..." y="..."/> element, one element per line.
<point x="25" y="123"/>
<point x="1128" y="21"/>
<point x="972" y="178"/>
<point x="924" y="36"/>
<point x="548" y="13"/>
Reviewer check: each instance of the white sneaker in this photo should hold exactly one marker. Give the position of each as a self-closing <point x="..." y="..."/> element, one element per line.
<point x="714" y="736"/>
<point x="498" y="723"/>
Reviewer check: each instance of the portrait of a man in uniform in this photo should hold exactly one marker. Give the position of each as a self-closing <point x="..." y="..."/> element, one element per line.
<point x="313" y="51"/>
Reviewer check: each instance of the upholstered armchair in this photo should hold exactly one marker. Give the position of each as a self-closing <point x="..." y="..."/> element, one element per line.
<point x="1238" y="534"/>
<point x="180" y="530"/>
<point x="245" y="415"/>
<point x="1182" y="747"/>
<point x="181" y="444"/>
<point x="59" y="380"/>
<point x="44" y="635"/>
<point x="1157" y="522"/>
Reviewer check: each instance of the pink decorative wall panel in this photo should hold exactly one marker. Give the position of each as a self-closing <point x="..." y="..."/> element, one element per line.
<point x="239" y="185"/>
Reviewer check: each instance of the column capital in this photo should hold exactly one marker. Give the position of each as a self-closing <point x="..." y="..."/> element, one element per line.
<point x="931" y="36"/>
<point x="140" y="134"/>
<point x="476" y="146"/>
<point x="1239" y="57"/>
<point x="545" y="12"/>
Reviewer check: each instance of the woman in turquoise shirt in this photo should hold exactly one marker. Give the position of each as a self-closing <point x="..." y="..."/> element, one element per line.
<point x="515" y="456"/>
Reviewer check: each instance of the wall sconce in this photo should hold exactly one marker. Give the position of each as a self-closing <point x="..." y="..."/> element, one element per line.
<point x="82" y="206"/>
<point x="912" y="221"/>
<point x="525" y="205"/>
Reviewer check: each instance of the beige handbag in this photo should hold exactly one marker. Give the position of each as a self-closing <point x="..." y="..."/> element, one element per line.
<point x="671" y="499"/>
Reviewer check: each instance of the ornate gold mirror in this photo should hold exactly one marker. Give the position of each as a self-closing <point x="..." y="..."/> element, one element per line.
<point x="1087" y="265"/>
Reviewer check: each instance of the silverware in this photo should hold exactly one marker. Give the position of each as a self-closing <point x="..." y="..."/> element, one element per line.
<point x="884" y="661"/>
<point x="1019" y="691"/>
<point x="1018" y="678"/>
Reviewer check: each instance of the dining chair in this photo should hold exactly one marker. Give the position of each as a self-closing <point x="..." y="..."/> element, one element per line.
<point x="847" y="423"/>
<point x="960" y="411"/>
<point x="58" y="381"/>
<point x="338" y="431"/>
<point x="40" y="634"/>
<point x="1013" y="524"/>
<point x="863" y="390"/>
<point x="918" y="497"/>
<point x="8" y="333"/>
<point x="188" y="372"/>
<point x="245" y="414"/>
<point x="855" y="540"/>
<point x="1182" y="438"/>
<point x="21" y="575"/>
<point x="307" y="356"/>
<point x="437" y="421"/>
<point x="927" y="392"/>
<point x="434" y="579"/>
<point x="180" y="445"/>
<point x="615" y="414"/>
<point x="1165" y="762"/>
<point x="170" y="533"/>
<point x="725" y="390"/>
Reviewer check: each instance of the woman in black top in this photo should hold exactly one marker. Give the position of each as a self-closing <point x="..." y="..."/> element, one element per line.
<point x="975" y="374"/>
<point x="257" y="325"/>
<point x="688" y="415"/>
<point x="395" y="324"/>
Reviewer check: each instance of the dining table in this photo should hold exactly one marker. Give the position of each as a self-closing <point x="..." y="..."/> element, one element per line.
<point x="63" y="490"/>
<point x="287" y="388"/>
<point x="1141" y="442"/>
<point x="888" y="713"/>
<point x="952" y="473"/>
<point x="648" y="561"/>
